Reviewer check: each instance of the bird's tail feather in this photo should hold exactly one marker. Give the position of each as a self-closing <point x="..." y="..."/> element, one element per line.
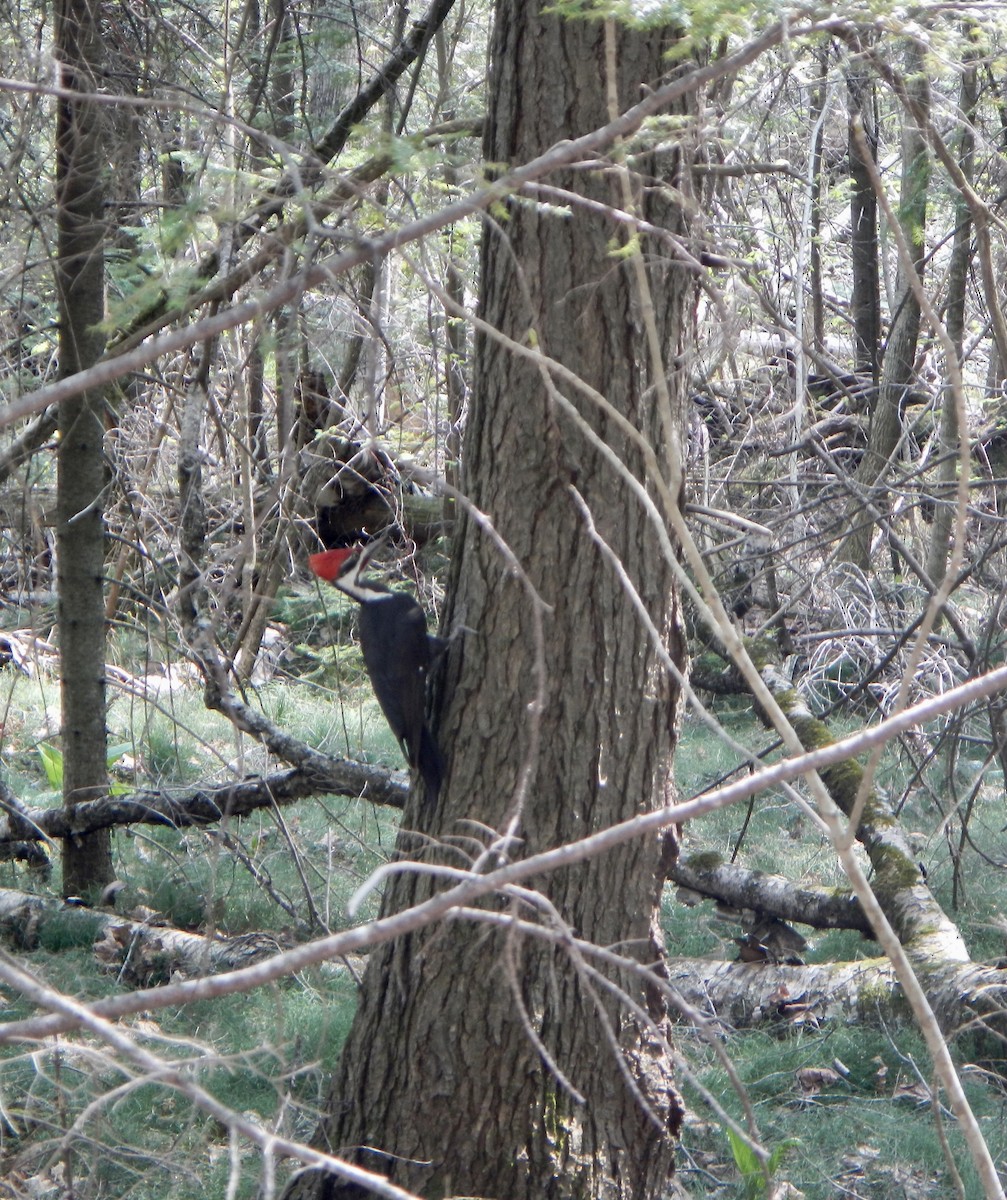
<point x="431" y="764"/>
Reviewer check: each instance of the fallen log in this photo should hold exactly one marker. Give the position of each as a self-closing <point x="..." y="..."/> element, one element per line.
<point x="968" y="999"/>
<point x="141" y="953"/>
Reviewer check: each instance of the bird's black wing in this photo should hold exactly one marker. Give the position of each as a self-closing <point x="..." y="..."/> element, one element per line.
<point x="396" y="649"/>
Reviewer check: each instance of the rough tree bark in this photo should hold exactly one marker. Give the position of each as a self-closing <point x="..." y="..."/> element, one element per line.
<point x="479" y="1063"/>
<point x="81" y="469"/>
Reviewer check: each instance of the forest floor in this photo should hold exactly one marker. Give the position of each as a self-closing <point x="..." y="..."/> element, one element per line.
<point x="849" y="1110"/>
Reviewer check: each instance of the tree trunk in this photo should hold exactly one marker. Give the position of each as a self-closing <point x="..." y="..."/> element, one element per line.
<point x="819" y="100"/>
<point x="81" y="471"/>
<point x="485" y="1064"/>
<point x="865" y="301"/>
<point x="959" y="271"/>
<point x="900" y="350"/>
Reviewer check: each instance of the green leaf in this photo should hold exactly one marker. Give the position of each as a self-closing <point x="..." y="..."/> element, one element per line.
<point x="114" y="753"/>
<point x="745" y="1158"/>
<point x="753" y="1172"/>
<point x="780" y="1153"/>
<point x="52" y="764"/>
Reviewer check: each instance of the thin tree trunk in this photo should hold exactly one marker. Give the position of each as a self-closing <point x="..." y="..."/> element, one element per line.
<point x="455" y="383"/>
<point x="488" y="1064"/>
<point x="865" y="301"/>
<point x="81" y="468"/>
<point x="455" y="333"/>
<point x="819" y="99"/>
<point x="958" y="277"/>
<point x="900" y="350"/>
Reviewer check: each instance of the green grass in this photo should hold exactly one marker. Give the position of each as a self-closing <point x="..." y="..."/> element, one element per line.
<point x="872" y="1132"/>
<point x="196" y="878"/>
<point x="269" y="1053"/>
<point x="867" y="1135"/>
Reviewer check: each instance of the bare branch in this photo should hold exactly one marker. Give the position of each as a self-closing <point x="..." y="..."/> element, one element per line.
<point x="775" y="895"/>
<point x="561" y="155"/>
<point x="326" y="776"/>
<point x="472" y="886"/>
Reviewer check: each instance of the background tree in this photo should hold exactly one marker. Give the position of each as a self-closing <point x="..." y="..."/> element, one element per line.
<point x="865" y="307"/>
<point x="958" y="271"/>
<point x="476" y="1070"/>
<point x="83" y="475"/>
<point x="258" y="252"/>
<point x="898" y="371"/>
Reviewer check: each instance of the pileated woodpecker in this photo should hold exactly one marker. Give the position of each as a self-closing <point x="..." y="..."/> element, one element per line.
<point x="397" y="652"/>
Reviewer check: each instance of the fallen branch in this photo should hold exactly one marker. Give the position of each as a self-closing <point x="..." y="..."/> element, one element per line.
<point x="774" y="895"/>
<point x="968" y="999"/>
<point x="204" y="806"/>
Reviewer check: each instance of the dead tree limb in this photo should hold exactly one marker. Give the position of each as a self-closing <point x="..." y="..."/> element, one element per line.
<point x="774" y="895"/>
<point x="203" y="806"/>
